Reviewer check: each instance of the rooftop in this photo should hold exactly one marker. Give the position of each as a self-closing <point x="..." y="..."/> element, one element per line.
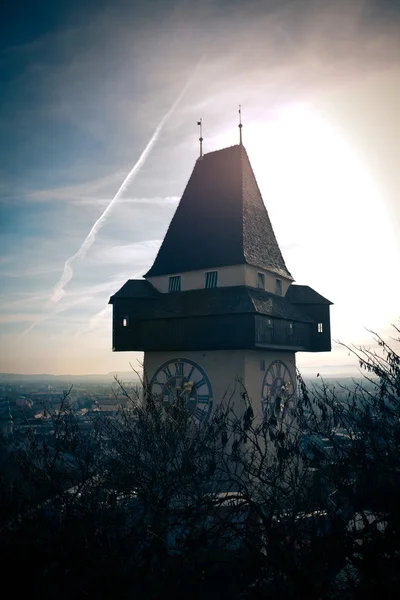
<point x="304" y="294"/>
<point x="221" y="220"/>
<point x="204" y="302"/>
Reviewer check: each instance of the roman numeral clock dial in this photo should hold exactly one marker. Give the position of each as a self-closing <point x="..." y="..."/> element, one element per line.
<point x="184" y="378"/>
<point x="277" y="389"/>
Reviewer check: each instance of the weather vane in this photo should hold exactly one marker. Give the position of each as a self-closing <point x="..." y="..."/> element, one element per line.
<point x="200" y="124"/>
<point x="240" y="125"/>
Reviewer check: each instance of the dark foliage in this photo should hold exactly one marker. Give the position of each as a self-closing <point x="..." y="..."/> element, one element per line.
<point x="150" y="504"/>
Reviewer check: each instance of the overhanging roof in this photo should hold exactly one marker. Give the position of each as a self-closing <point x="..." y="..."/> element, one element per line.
<point x="205" y="302"/>
<point x="136" y="288"/>
<point x="304" y="294"/>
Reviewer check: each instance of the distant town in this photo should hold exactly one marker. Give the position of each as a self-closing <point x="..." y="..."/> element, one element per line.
<point x="28" y="402"/>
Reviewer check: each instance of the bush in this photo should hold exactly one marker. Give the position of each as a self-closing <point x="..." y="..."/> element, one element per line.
<point x="151" y="504"/>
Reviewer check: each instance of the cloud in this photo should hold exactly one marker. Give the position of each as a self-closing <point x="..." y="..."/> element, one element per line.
<point x="82" y="102"/>
<point x="76" y="193"/>
<point x="67" y="274"/>
<point x="137" y="254"/>
<point x="81" y="302"/>
<point x="27" y="298"/>
<point x="105" y="285"/>
<point x="99" y="321"/>
<point x="5" y="260"/>
<point x="50" y="313"/>
<point x="89" y="193"/>
<point x="30" y="272"/>
<point x="18" y="317"/>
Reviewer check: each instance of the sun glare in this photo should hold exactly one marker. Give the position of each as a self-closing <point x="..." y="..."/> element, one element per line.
<point x="328" y="214"/>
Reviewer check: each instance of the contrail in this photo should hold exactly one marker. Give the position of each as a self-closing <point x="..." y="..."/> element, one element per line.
<point x="67" y="273"/>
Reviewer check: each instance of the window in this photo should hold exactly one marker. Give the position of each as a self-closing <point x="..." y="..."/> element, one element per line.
<point x="269" y="322"/>
<point x="262" y="365"/>
<point x="261" y="281"/>
<point x="320" y="328"/>
<point x="290" y="328"/>
<point x="278" y="289"/>
<point x="125" y="321"/>
<point x="211" y="279"/>
<point x="174" y="284"/>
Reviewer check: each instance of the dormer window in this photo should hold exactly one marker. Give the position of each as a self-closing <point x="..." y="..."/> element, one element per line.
<point x="174" y="284"/>
<point x="261" y="281"/>
<point x="278" y="287"/>
<point x="211" y="279"/>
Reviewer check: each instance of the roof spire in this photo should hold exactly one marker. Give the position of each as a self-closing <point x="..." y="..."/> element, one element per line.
<point x="200" y="124"/>
<point x="240" y="125"/>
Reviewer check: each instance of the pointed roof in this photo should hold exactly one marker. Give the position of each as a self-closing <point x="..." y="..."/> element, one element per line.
<point x="221" y="220"/>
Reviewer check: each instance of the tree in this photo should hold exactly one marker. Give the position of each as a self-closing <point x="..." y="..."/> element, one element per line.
<point x="329" y="508"/>
<point x="303" y="503"/>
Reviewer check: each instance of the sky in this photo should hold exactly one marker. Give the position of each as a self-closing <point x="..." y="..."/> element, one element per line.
<point x="84" y="86"/>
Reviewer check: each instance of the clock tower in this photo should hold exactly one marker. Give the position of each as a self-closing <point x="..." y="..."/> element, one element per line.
<point x="218" y="310"/>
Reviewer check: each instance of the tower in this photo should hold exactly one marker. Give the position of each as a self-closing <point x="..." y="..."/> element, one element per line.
<point x="219" y="306"/>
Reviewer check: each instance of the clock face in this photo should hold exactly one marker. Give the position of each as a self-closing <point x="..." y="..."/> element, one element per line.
<point x="184" y="378"/>
<point x="277" y="389"/>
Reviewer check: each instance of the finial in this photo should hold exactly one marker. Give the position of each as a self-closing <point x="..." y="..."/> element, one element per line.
<point x="240" y="125"/>
<point x="200" y="124"/>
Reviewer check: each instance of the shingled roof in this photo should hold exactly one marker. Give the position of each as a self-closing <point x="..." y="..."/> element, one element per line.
<point x="304" y="294"/>
<point x="205" y="302"/>
<point x="221" y="220"/>
<point x="136" y="288"/>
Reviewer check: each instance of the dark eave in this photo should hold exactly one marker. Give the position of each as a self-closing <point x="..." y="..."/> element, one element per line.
<point x="205" y="302"/>
<point x="304" y="294"/>
<point x="136" y="288"/>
